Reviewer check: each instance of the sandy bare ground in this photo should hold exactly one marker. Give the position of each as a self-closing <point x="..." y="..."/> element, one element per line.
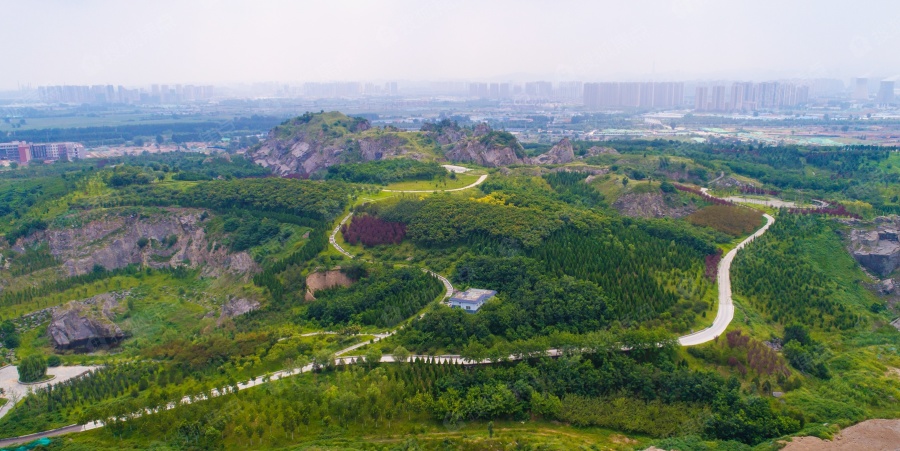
<point x="872" y="435"/>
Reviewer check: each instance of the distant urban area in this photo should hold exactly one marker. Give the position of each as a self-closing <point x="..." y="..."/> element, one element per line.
<point x="51" y="123"/>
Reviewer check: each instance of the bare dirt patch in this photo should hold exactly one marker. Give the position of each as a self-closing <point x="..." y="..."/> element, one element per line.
<point x="872" y="435"/>
<point x="321" y="280"/>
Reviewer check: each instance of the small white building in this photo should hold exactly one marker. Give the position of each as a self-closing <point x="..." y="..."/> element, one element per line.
<point x="471" y="300"/>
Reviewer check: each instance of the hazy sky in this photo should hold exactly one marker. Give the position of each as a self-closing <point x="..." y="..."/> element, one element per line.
<point x="137" y="42"/>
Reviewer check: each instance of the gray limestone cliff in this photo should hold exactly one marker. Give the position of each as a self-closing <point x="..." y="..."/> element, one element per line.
<point x="877" y="250"/>
<point x="166" y="238"/>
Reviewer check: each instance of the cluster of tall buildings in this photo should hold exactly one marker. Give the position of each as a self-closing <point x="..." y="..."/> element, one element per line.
<point x="749" y="96"/>
<point x="541" y="90"/>
<point x="101" y="94"/>
<point x="884" y="95"/>
<point x="634" y="94"/>
<point x="23" y="152"/>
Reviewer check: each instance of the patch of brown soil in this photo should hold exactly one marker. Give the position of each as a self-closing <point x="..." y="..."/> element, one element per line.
<point x="871" y="435"/>
<point x="321" y="280"/>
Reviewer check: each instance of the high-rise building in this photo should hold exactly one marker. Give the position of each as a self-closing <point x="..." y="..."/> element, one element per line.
<point x="717" y="101"/>
<point x="861" y="89"/>
<point x="885" y="93"/>
<point x="737" y="97"/>
<point x="701" y="98"/>
<point x="643" y="95"/>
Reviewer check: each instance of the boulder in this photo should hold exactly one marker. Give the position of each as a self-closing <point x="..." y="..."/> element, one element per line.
<point x="86" y="325"/>
<point x="598" y="150"/>
<point x="887" y="286"/>
<point x="876" y="250"/>
<point x="237" y="307"/>
<point x="561" y="153"/>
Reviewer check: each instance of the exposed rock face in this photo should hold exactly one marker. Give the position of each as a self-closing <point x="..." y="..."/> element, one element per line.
<point x="598" y="150"/>
<point x="728" y="182"/>
<point x="312" y="142"/>
<point x="237" y="307"/>
<point x="113" y="241"/>
<point x="877" y="250"/>
<point x="87" y="325"/>
<point x="561" y="153"/>
<point x="321" y="280"/>
<point x="480" y="145"/>
<point x="652" y="205"/>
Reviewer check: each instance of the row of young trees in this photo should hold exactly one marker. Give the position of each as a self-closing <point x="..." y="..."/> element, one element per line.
<point x="780" y="282"/>
<point x="574" y="389"/>
<point x="383" y="172"/>
<point x="383" y="298"/>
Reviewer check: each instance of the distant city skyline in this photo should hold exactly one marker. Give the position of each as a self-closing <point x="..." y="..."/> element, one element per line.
<point x="232" y="41"/>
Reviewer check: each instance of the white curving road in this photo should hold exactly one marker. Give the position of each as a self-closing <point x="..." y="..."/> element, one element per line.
<point x="725" y="312"/>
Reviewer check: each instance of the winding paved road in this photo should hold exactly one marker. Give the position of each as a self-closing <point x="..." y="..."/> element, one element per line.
<point x="726" y="304"/>
<point x="723" y="318"/>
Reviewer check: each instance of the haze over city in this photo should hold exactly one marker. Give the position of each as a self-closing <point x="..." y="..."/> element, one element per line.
<point x="220" y="42"/>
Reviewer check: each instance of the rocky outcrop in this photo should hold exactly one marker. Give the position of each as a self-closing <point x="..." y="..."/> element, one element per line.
<point x="652" y="205"/>
<point x="877" y="250"/>
<point x="236" y="307"/>
<point x="312" y="142"/>
<point x="481" y="145"/>
<point x="87" y="325"/>
<point x="167" y="238"/>
<point x="728" y="182"/>
<point x="561" y="153"/>
<point x="321" y="280"/>
<point x="598" y="150"/>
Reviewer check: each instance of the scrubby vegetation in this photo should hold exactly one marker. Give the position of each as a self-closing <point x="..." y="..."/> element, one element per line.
<point x="733" y="220"/>
<point x="610" y="293"/>
<point x="381" y="298"/>
<point x="382" y="172"/>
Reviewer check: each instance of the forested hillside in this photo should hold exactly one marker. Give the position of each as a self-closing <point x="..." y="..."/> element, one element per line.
<point x="202" y="272"/>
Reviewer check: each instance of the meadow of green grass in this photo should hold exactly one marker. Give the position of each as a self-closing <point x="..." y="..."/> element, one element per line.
<point x="446" y="183"/>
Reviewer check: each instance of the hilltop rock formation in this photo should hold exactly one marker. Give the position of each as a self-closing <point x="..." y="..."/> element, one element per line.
<point x="309" y="143"/>
<point x="87" y="325"/>
<point x="480" y="145"/>
<point x="561" y="153"/>
<point x="171" y="237"/>
<point x="877" y="250"/>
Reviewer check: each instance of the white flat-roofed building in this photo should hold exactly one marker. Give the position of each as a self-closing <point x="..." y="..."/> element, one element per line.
<point x="471" y="300"/>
